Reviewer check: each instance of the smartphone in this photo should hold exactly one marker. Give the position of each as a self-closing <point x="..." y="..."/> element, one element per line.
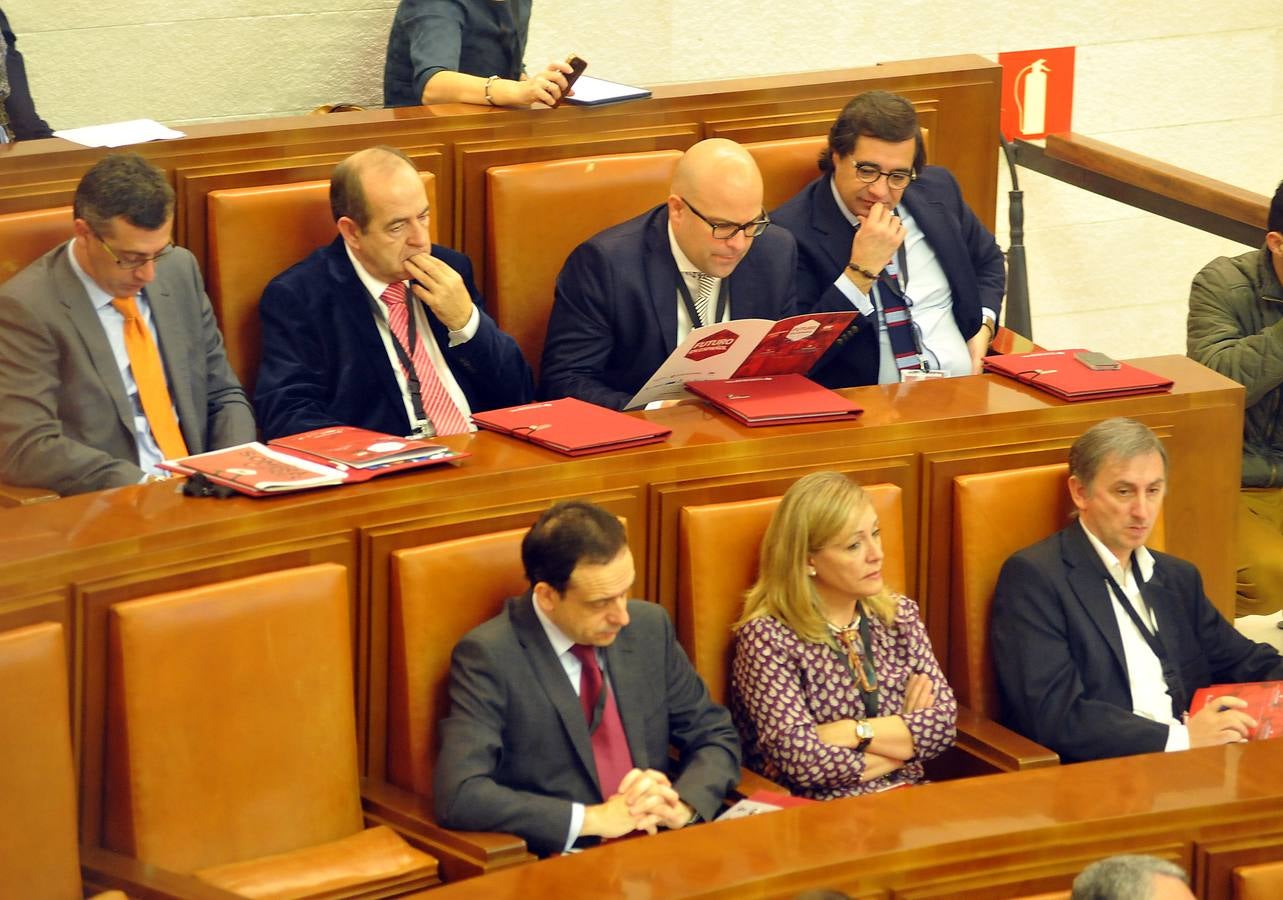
<point x="1097" y="362"/>
<point x="577" y="65"/>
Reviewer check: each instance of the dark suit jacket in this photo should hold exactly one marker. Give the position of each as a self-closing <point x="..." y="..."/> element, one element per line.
<point x="21" y="109"/>
<point x="966" y="250"/>
<point x="614" y="319"/>
<point x="1059" y="655"/>
<point x="66" y="423"/>
<point x="515" y="750"/>
<point x="324" y="363"/>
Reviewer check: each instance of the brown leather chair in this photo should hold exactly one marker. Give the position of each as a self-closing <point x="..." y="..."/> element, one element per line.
<point x="25" y="236"/>
<point x="255" y="233"/>
<point x="231" y="751"/>
<point x="469" y="578"/>
<point x="1262" y="881"/>
<point x="787" y="165"/>
<point x="583" y="196"/>
<point x="710" y="599"/>
<point x="38" y="853"/>
<point x="994" y="515"/>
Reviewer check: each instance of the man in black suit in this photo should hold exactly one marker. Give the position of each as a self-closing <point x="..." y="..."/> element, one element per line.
<point x="539" y="744"/>
<point x="381" y="329"/>
<point x="1100" y="643"/>
<point x="877" y="211"/>
<point x="628" y="296"/>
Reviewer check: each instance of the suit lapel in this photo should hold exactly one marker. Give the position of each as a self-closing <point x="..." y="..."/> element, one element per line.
<point x="661" y="278"/>
<point x="934" y="223"/>
<point x="83" y="316"/>
<point x="629" y="683"/>
<point x="1087" y="580"/>
<point x="552" y="679"/>
<point x="358" y="317"/>
<point x="827" y="220"/>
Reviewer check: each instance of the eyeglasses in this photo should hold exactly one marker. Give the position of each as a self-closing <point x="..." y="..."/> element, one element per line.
<point x="132" y="260"/>
<point x="724" y="231"/>
<point x="897" y="181"/>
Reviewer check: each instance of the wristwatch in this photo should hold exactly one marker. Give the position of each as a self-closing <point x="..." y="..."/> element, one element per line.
<point x="863" y="731"/>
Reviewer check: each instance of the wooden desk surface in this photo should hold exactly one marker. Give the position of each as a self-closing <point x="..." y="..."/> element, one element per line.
<point x="995" y="836"/>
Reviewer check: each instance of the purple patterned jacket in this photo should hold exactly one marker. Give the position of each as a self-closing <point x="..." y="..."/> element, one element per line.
<point x="783" y="687"/>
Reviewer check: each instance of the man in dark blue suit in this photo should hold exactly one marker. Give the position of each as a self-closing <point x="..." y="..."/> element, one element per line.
<point x="875" y="211"/>
<point x="338" y="351"/>
<point x="628" y="296"/>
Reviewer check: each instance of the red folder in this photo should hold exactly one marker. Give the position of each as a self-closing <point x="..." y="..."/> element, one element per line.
<point x="1264" y="704"/>
<point x="775" y="400"/>
<point x="572" y="426"/>
<point x="1058" y="373"/>
<point x="257" y="470"/>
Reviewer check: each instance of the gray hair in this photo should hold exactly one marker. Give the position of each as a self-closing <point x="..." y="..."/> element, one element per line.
<point x="1124" y="877"/>
<point x="1123" y="438"/>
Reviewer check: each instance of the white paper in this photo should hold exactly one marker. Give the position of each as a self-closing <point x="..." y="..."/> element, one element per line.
<point x="118" y="134"/>
<point x="598" y="90"/>
<point x="669" y="382"/>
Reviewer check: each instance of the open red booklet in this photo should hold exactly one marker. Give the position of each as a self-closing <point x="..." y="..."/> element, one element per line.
<point x="260" y="470"/>
<point x="360" y="448"/>
<point x="1062" y="374"/>
<point x="775" y="400"/>
<point x="1264" y="704"/>
<point x="572" y="426"/>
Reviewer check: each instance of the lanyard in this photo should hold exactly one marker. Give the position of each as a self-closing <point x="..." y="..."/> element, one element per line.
<point x="1173" y="682"/>
<point x="723" y="297"/>
<point x="421" y="425"/>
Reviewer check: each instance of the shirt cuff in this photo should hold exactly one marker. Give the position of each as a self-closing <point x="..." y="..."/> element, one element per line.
<point x="852" y="293"/>
<point x="468" y="331"/>
<point x="988" y="313"/>
<point x="576" y="825"/>
<point x="1177" y="738"/>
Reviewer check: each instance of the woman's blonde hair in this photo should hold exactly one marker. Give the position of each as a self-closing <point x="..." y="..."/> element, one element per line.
<point x="812" y="514"/>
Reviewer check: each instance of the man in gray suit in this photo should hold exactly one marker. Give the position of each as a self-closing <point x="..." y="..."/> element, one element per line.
<point x="538" y="743"/>
<point x="110" y="358"/>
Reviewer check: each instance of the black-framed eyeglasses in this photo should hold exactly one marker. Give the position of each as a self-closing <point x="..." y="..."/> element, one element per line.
<point x="132" y="260"/>
<point x="724" y="231"/>
<point x="897" y="180"/>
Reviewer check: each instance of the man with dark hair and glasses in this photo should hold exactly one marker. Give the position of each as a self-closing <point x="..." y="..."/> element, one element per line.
<point x="881" y="231"/>
<point x="110" y="358"/>
<point x="628" y="296"/>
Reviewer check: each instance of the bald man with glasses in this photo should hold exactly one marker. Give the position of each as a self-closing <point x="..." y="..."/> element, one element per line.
<point x="628" y="296"/>
<point x="110" y="358"/>
<point x="884" y="233"/>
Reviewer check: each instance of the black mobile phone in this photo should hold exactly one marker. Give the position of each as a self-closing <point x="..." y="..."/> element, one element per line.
<point x="577" y="66"/>
<point x="1097" y="362"/>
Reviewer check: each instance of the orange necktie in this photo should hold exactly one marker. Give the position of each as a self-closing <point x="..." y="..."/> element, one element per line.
<point x="149" y="375"/>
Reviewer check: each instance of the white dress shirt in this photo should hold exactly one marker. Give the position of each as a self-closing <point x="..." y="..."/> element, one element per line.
<point x="690" y="275"/>
<point x="1150" y="699"/>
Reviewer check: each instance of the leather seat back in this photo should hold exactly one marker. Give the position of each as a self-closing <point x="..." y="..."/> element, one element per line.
<point x="439" y="593"/>
<point x="255" y="233"/>
<point x="579" y="197"/>
<point x="719" y="545"/>
<point x="231" y="721"/>
<point x="38" y="852"/>
<point x="26" y="236"/>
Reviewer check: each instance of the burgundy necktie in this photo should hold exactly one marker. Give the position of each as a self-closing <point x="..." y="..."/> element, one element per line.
<point x="437" y="405"/>
<point x="609" y="744"/>
<point x="899" y="320"/>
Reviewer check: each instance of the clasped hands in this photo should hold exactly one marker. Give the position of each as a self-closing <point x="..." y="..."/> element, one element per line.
<point x="441" y="288"/>
<point x="644" y="800"/>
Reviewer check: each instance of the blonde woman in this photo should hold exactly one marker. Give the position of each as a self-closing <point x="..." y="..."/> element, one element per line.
<point x="836" y="690"/>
